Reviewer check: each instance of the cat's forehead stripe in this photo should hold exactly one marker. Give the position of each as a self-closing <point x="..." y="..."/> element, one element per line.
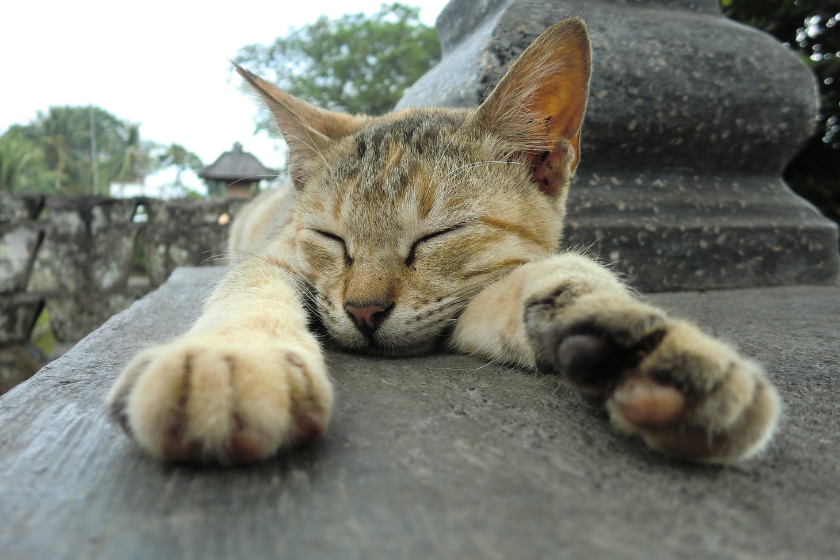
<point x="417" y="133"/>
<point x="395" y="152"/>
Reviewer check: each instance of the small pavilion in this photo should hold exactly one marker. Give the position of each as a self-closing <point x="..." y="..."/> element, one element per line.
<point x="234" y="173"/>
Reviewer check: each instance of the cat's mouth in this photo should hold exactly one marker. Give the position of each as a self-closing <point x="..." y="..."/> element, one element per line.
<point x="378" y="344"/>
<point x="393" y="334"/>
<point x="374" y="347"/>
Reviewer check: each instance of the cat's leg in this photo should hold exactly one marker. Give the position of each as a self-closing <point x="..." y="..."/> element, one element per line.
<point x="684" y="392"/>
<point x="247" y="380"/>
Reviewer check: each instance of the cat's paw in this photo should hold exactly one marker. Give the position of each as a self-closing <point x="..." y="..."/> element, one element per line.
<point x="226" y="399"/>
<point x="684" y="392"/>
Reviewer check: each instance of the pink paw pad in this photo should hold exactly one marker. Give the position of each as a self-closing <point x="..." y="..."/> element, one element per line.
<point x="308" y="430"/>
<point x="643" y="402"/>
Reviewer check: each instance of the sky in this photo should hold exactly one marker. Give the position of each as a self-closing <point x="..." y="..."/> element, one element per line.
<point x="161" y="63"/>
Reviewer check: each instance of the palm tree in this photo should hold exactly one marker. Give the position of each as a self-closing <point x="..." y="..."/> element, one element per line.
<point x="136" y="162"/>
<point x="55" y="133"/>
<point x="21" y="163"/>
<point x="62" y="135"/>
<point x="182" y="159"/>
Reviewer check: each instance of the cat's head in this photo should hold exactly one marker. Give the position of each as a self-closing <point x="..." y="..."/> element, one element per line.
<point x="401" y="219"/>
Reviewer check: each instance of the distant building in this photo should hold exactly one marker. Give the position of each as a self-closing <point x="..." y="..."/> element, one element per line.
<point x="234" y="173"/>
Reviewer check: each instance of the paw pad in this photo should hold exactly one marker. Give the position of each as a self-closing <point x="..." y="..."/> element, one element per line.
<point x="644" y="402"/>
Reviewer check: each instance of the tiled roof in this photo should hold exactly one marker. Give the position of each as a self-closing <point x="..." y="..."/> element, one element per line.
<point x="235" y="165"/>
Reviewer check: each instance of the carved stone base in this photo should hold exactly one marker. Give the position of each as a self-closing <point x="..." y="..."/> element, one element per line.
<point x="668" y="230"/>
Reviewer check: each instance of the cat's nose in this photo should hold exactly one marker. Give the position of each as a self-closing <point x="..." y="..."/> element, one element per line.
<point x="368" y="316"/>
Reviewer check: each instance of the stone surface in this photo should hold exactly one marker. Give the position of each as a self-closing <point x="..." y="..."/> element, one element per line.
<point x="691" y="117"/>
<point x="18" y="362"/>
<point x="83" y="264"/>
<point x="74" y="316"/>
<point x="678" y="230"/>
<point x="18" y="314"/>
<point x="184" y="233"/>
<point x="78" y="253"/>
<point x="19" y="243"/>
<point x="88" y="245"/>
<point x="20" y="207"/>
<point x="441" y="456"/>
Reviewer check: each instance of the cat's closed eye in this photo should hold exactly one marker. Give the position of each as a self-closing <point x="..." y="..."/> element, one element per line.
<point x="409" y="261"/>
<point x="347" y="258"/>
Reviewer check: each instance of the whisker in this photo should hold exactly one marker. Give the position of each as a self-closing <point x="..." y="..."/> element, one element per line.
<point x="267" y="176"/>
<point x="311" y="147"/>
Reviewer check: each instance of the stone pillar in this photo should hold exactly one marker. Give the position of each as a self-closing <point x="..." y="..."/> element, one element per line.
<point x="691" y="119"/>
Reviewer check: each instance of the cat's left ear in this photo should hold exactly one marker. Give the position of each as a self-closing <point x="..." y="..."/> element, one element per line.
<point x="538" y="106"/>
<point x="307" y="129"/>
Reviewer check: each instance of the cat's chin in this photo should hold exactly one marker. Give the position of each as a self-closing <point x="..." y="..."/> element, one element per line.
<point x="396" y="349"/>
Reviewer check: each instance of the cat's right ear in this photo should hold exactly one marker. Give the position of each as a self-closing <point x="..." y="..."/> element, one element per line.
<point x="307" y="129"/>
<point x="537" y="109"/>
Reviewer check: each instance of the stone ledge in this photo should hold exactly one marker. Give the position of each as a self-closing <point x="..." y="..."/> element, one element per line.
<point x="441" y="456"/>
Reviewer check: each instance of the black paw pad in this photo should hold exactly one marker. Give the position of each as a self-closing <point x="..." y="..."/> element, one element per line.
<point x="592" y="358"/>
<point x="581" y="352"/>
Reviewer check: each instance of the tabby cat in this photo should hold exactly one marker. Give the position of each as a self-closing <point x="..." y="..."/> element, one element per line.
<point x="422" y="229"/>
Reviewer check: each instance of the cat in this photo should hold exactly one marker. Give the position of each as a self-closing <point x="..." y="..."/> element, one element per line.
<point x="422" y="229"/>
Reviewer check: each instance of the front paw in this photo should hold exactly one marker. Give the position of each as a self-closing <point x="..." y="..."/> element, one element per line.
<point x="684" y="392"/>
<point x="226" y="399"/>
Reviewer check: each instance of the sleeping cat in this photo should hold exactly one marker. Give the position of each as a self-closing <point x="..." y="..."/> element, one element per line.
<point x="423" y="229"/>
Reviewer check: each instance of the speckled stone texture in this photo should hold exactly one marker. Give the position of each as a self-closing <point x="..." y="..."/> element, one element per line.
<point x="186" y="233"/>
<point x="691" y="117"/>
<point x="82" y="265"/>
<point x="20" y="238"/>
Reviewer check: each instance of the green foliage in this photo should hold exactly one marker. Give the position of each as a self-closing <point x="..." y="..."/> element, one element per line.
<point x="811" y="28"/>
<point x="138" y="256"/>
<point x="175" y="155"/>
<point x="42" y="335"/>
<point x="138" y="159"/>
<point x="53" y="152"/>
<point x="354" y="63"/>
<point x="22" y="164"/>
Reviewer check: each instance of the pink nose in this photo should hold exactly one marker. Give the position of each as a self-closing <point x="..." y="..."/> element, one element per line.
<point x="368" y="318"/>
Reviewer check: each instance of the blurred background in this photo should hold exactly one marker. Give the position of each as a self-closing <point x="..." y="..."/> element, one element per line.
<point x="154" y="81"/>
<point x="146" y="91"/>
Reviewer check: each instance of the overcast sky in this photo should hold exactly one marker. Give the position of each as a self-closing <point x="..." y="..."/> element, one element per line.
<point x="161" y="63"/>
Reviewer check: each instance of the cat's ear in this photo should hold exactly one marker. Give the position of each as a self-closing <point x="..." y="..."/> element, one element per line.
<point x="538" y="106"/>
<point x="307" y="129"/>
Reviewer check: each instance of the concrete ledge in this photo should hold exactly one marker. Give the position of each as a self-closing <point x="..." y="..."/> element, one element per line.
<point x="434" y="457"/>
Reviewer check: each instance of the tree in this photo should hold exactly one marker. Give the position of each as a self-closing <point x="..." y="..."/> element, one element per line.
<point x="354" y="63"/>
<point x="64" y="133"/>
<point x="54" y="153"/>
<point x="175" y="155"/>
<point x="60" y="142"/>
<point x="812" y="29"/>
<point x="21" y="163"/>
<point x="137" y="160"/>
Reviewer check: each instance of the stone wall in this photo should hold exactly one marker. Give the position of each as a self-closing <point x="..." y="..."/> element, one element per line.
<point x="74" y="256"/>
